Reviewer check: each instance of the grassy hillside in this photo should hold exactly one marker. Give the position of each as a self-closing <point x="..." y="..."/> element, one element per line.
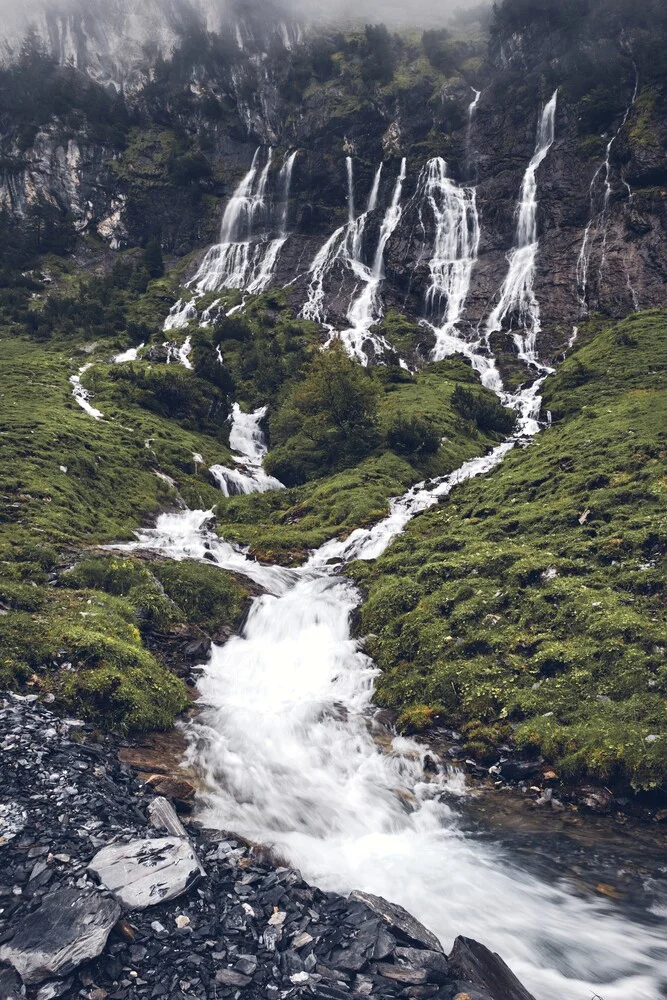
<point x="530" y="605"/>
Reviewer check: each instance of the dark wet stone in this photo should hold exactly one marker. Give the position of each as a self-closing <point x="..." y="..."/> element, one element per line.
<point x="474" y="963"/>
<point x="400" y="921"/>
<point x="70" y="927"/>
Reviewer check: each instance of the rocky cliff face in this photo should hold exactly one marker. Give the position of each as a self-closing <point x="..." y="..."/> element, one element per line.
<point x="195" y="122"/>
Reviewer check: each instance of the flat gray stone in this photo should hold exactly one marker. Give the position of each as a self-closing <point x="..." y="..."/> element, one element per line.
<point x="400" y="921"/>
<point x="146" y="872"/>
<point x="70" y="927"/>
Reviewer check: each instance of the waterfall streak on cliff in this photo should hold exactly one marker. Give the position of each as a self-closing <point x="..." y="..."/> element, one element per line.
<point x="457" y="236"/>
<point x="598" y="223"/>
<point x="343" y="248"/>
<point x="252" y="234"/>
<point x="517" y="296"/>
<point x="246" y="438"/>
<point x="366" y="308"/>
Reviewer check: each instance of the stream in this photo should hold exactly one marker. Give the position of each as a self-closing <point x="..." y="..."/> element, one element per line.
<point x="286" y="750"/>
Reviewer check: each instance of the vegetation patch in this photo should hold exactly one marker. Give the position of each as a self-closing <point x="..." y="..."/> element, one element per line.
<point x="530" y="603"/>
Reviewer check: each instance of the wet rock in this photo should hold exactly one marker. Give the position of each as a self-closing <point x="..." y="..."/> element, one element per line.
<point x="10" y="984"/>
<point x="146" y="872"/>
<point x="400" y="921"/>
<point x="433" y="963"/>
<point x="598" y="800"/>
<point x="402" y="974"/>
<point x="518" y="770"/>
<point x="70" y="927"/>
<point x="230" y="978"/>
<point x="180" y="790"/>
<point x="473" y="963"/>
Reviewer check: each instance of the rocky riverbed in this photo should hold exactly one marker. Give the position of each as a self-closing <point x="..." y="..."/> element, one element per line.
<point x="104" y="894"/>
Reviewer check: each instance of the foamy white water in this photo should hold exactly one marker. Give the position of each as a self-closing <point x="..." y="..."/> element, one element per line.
<point x="517" y="296"/>
<point x="246" y="438"/>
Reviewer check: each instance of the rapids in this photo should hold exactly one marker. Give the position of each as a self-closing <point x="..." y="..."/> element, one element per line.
<point x="285" y="745"/>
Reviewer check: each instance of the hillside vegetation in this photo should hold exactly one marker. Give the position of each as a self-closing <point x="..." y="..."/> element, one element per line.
<point x="530" y="605"/>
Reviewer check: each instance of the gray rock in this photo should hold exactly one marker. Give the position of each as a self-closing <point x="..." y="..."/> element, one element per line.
<point x="162" y="816"/>
<point x="474" y="963"/>
<point x="10" y="985"/>
<point x="400" y="921"/>
<point x="433" y="963"/>
<point x="146" y="872"/>
<point x="70" y="927"/>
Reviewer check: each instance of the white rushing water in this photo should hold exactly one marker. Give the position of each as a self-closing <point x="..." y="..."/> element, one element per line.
<point x="253" y="231"/>
<point x="247" y="440"/>
<point x="285" y="744"/>
<point x="366" y="306"/>
<point x="82" y="396"/>
<point x="457" y="236"/>
<point x="517" y="301"/>
<point x="343" y="249"/>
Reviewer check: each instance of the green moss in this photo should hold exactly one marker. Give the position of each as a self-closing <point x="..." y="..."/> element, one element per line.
<point x="207" y="597"/>
<point x="535" y="595"/>
<point x="85" y="647"/>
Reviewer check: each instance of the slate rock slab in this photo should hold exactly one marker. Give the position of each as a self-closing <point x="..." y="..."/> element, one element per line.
<point x="146" y="872"/>
<point x="474" y="963"/>
<point x="70" y="927"/>
<point x="401" y="922"/>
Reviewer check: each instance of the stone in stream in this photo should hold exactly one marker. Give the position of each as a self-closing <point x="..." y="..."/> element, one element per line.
<point x="400" y="921"/>
<point x="146" y="872"/>
<point x="472" y="962"/>
<point x="70" y="927"/>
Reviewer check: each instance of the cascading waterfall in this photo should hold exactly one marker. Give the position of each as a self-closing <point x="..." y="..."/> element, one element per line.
<point x="598" y="223"/>
<point x="457" y="236"/>
<point x="517" y="296"/>
<point x="285" y="745"/>
<point x="344" y="248"/>
<point x="246" y="439"/>
<point x="243" y="259"/>
<point x="366" y="308"/>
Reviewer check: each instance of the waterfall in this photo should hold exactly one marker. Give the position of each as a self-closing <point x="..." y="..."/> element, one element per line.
<point x="246" y="438"/>
<point x="472" y="110"/>
<point x="517" y="296"/>
<point x="457" y="236"/>
<point x="350" y="189"/>
<point x="366" y="308"/>
<point x="598" y="222"/>
<point x="285" y="180"/>
<point x="344" y="248"/>
<point x="244" y="258"/>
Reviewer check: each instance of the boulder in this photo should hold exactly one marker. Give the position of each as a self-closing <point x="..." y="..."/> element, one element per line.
<point x="70" y="927"/>
<point x="473" y="963"/>
<point x="146" y="872"/>
<point x="401" y="922"/>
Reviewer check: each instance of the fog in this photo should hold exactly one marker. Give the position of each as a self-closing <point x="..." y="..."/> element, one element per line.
<point x="391" y="12"/>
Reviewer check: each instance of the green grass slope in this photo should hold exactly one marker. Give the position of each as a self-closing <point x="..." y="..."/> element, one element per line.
<point x="530" y="605"/>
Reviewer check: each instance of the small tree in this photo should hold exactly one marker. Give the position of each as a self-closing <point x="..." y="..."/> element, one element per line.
<point x="153" y="259"/>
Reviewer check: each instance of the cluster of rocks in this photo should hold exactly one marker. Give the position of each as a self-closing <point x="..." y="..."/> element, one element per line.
<point x="104" y="894"/>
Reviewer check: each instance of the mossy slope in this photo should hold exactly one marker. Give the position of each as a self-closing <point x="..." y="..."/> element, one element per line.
<point x="530" y="604"/>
